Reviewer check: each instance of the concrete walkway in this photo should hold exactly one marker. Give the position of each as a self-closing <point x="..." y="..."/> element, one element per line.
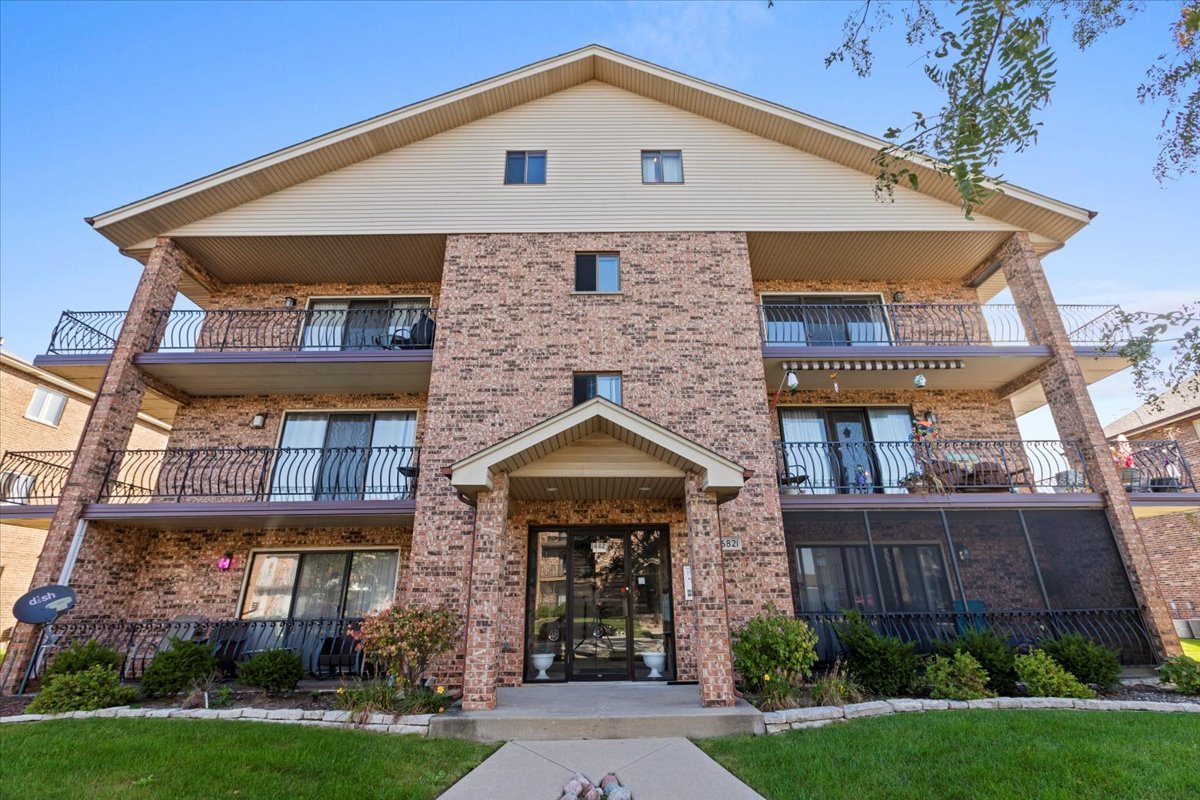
<point x="652" y="769"/>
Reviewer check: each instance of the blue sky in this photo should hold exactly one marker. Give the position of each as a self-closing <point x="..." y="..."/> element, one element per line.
<point x="101" y="104"/>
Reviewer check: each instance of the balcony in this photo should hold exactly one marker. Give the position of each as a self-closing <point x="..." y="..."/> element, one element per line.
<point x="877" y="346"/>
<point x="259" y="487"/>
<point x="259" y="351"/>
<point x="937" y="473"/>
<point x="1158" y="478"/>
<point x="31" y="484"/>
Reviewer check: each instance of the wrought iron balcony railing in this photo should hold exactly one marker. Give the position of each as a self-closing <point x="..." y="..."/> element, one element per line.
<point x="325" y="646"/>
<point x="1121" y="629"/>
<point x="256" y="330"/>
<point x="1152" y="465"/>
<point x="35" y="477"/>
<point x="920" y="324"/>
<point x="934" y="466"/>
<point x="261" y="474"/>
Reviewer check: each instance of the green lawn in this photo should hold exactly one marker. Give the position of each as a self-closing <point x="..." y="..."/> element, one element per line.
<point x="1191" y="647"/>
<point x="187" y="758"/>
<point x="975" y="754"/>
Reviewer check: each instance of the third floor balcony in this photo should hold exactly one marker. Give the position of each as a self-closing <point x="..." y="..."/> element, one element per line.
<point x="345" y="346"/>
<point x="877" y="345"/>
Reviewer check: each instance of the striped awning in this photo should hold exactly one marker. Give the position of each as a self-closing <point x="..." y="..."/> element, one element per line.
<point x="868" y="364"/>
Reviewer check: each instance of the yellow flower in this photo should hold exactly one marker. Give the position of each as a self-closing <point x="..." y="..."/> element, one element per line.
<point x="341" y="690"/>
<point x="441" y="709"/>
<point x="441" y="690"/>
<point x="766" y="677"/>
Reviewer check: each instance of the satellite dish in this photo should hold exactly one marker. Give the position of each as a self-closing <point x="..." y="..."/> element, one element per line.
<point x="44" y="604"/>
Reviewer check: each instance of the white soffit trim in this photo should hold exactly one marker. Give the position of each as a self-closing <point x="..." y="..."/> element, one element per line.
<point x="474" y="473"/>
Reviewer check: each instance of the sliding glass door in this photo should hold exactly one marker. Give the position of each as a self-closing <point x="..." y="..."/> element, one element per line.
<point x="825" y="320"/>
<point x="345" y="456"/>
<point x="367" y="324"/>
<point x="320" y="584"/>
<point x="848" y="450"/>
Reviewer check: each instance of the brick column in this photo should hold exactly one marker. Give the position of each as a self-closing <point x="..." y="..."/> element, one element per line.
<point x="481" y="670"/>
<point x="1075" y="417"/>
<point x="109" y="423"/>
<point x="713" y="656"/>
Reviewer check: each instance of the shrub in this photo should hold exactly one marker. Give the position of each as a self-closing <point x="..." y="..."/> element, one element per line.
<point x="1043" y="677"/>
<point x="775" y="693"/>
<point x="82" y="657"/>
<point x="177" y="668"/>
<point x="884" y="666"/>
<point x="835" y="688"/>
<point x="93" y="688"/>
<point x="1182" y="671"/>
<point x="402" y="641"/>
<point x="957" y="677"/>
<point x="992" y="653"/>
<point x="1086" y="660"/>
<point x="774" y="648"/>
<point x="273" y="670"/>
<point x="362" y="698"/>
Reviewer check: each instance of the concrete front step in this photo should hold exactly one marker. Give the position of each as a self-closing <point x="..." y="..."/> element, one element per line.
<point x="597" y="711"/>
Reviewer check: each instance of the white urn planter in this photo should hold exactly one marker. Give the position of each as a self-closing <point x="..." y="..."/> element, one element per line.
<point x="656" y="662"/>
<point x="542" y="662"/>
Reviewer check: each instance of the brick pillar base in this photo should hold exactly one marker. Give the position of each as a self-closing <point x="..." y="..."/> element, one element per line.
<point x="713" y="655"/>
<point x="481" y="670"/>
<point x="1075" y="417"/>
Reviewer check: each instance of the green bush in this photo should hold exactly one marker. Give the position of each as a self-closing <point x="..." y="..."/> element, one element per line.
<point x="273" y="671"/>
<point x="1043" y="677"/>
<point x="774" y="647"/>
<point x="957" y="677"/>
<point x="82" y="657"/>
<point x="992" y="653"/>
<point x="1182" y="671"/>
<point x="93" y="688"/>
<point x="1086" y="660"/>
<point x="884" y="666"/>
<point x="835" y="688"/>
<point x="177" y="668"/>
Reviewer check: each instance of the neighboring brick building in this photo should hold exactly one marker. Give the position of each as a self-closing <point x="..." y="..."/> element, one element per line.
<point x="609" y="360"/>
<point x="1166" y="439"/>
<point x="42" y="413"/>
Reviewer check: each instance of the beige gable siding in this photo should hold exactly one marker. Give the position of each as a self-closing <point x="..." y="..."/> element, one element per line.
<point x="593" y="133"/>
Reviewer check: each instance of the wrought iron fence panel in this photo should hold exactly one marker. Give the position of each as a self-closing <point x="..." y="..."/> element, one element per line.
<point x="304" y="329"/>
<point x="257" y="474"/>
<point x="1120" y="629"/>
<point x="83" y="332"/>
<point x="34" y="477"/>
<point x="1094" y="325"/>
<point x="1155" y="465"/>
<point x="933" y="466"/>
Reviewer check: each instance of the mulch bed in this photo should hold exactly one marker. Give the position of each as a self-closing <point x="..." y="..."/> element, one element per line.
<point x="1148" y="694"/>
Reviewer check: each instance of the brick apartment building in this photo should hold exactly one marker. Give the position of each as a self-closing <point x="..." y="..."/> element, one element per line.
<point x="607" y="358"/>
<point x="1164" y="441"/>
<point x="41" y="419"/>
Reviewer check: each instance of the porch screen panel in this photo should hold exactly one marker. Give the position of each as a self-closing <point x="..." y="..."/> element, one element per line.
<point x="299" y="460"/>
<point x="835" y="579"/>
<point x="269" y="590"/>
<point x="325" y="322"/>
<point x="372" y="585"/>
<point x="805" y="451"/>
<point x="993" y="559"/>
<point x="390" y="473"/>
<point x="892" y="427"/>
<point x="1078" y="558"/>
<point x="321" y="586"/>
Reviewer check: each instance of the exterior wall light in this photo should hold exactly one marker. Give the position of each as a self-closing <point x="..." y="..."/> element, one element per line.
<point x="225" y="562"/>
<point x="919" y="380"/>
<point x="964" y="553"/>
<point x="289" y="302"/>
<point x="929" y="416"/>
<point x="792" y="380"/>
<point x="897" y="297"/>
<point x="259" y="421"/>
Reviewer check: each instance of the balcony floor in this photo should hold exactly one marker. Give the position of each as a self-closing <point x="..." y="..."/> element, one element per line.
<point x="298" y="514"/>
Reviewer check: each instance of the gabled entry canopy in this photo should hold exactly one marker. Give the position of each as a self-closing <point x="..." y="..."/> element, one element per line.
<point x="596" y="450"/>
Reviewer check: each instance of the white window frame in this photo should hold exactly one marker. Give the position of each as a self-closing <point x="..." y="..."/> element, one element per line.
<point x="10" y="479"/>
<point x="36" y="411"/>
<point x="659" y="152"/>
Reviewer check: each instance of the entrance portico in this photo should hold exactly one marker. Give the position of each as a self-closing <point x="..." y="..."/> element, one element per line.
<point x="591" y="456"/>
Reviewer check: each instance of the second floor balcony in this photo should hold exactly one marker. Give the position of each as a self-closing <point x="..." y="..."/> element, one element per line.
<point x="347" y="346"/>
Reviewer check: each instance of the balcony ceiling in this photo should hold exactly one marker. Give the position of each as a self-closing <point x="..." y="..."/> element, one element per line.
<point x="1095" y="368"/>
<point x="88" y="370"/>
<point x="206" y="516"/>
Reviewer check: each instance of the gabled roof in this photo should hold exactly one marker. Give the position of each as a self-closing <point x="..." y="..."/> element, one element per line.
<point x="1176" y="406"/>
<point x="473" y="473"/>
<point x="144" y="219"/>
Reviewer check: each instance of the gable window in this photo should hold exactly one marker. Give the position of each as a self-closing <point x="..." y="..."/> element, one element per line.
<point x="597" y="384"/>
<point x="320" y="584"/>
<point x="376" y="323"/>
<point x="525" y="166"/>
<point x="15" y="487"/>
<point x="823" y="320"/>
<point x="46" y="406"/>
<point x="346" y="456"/>
<point x="597" y="272"/>
<point x="662" y="166"/>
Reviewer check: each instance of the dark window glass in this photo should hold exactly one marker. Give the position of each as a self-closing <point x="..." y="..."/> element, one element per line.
<point x="585" y="272"/>
<point x="589" y="384"/>
<point x="522" y="166"/>
<point x="597" y="272"/>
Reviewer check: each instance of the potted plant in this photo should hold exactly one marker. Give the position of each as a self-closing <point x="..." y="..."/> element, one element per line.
<point x="542" y="659"/>
<point x="656" y="661"/>
<point x="915" y="483"/>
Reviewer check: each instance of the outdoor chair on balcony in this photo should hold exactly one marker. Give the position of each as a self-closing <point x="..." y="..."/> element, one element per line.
<point x="991" y="476"/>
<point x="950" y="475"/>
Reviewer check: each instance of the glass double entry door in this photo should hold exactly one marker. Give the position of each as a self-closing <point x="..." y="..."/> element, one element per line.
<point x="599" y="605"/>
